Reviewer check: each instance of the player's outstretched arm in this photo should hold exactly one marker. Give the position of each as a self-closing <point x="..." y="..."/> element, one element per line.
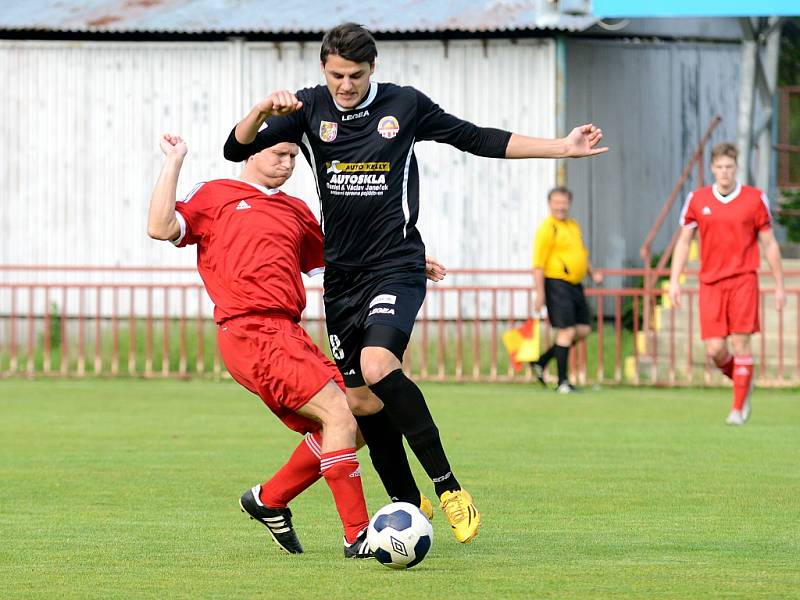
<point x="161" y="221"/>
<point x="581" y="141"/>
<point x="772" y="252"/>
<point x="276" y="104"/>
<point x="679" y="256"/>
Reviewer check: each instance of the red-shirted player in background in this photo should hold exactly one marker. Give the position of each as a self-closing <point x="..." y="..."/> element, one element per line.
<point x="253" y="242"/>
<point x="732" y="219"/>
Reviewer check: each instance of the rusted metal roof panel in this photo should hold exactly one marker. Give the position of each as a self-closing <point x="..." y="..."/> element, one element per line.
<point x="298" y="17"/>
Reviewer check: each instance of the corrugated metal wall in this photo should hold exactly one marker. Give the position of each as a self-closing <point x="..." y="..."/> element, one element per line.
<point x="81" y="122"/>
<point x="653" y="101"/>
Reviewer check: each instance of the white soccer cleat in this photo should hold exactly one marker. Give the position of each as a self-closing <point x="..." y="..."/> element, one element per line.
<point x="735" y="418"/>
<point x="565" y="387"/>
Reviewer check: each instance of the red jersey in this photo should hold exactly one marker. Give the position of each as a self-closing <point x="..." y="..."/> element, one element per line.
<point x="729" y="227"/>
<point x="252" y="245"/>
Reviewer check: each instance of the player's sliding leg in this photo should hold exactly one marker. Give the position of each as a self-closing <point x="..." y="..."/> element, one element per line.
<point x="268" y="503"/>
<point x="339" y="465"/>
<point x="408" y="410"/>
<point x="386" y="450"/>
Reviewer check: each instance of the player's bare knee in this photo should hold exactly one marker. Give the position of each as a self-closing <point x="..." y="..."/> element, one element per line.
<point x="565" y="336"/>
<point x="740" y="344"/>
<point x="362" y="401"/>
<point x="716" y="348"/>
<point x="581" y="332"/>
<point x="377" y="363"/>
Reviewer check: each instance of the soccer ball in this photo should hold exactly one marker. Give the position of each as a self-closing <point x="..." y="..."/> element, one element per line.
<point x="399" y="535"/>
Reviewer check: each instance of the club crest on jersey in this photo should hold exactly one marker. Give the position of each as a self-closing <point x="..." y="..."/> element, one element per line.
<point x="706" y="210"/>
<point x="388" y="127"/>
<point x="328" y="131"/>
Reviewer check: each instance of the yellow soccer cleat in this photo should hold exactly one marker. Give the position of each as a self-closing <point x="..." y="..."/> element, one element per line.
<point x="461" y="512"/>
<point x="426" y="507"/>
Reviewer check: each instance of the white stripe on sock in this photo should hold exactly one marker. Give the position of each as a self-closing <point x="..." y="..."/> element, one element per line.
<point x="312" y="444"/>
<point x="327" y="463"/>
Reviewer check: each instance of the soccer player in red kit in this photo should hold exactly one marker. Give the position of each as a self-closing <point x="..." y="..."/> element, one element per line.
<point x="253" y="241"/>
<point x="731" y="219"/>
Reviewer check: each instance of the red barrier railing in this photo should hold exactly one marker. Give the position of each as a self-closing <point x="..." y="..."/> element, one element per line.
<point x="142" y="329"/>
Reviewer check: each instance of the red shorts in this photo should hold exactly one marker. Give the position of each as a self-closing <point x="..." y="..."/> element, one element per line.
<point x="274" y="358"/>
<point x="729" y="306"/>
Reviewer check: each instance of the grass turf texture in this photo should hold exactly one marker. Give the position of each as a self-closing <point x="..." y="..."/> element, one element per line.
<point x="129" y="489"/>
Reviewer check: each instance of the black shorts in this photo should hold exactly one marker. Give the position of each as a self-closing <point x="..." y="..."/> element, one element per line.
<point x="355" y="301"/>
<point x="566" y="303"/>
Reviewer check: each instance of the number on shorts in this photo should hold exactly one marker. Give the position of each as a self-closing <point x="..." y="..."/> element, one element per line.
<point x="336" y="347"/>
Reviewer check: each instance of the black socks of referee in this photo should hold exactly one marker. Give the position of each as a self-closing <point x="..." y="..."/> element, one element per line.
<point x="406" y="406"/>
<point x="561" y="354"/>
<point x="388" y="456"/>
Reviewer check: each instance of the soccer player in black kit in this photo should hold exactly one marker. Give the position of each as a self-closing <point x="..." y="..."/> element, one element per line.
<point x="358" y="137"/>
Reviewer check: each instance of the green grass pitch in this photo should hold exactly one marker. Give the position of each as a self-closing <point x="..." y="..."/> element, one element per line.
<point x="129" y="488"/>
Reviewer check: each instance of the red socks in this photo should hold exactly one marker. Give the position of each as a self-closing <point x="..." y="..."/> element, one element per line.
<point x="742" y="377"/>
<point x="298" y="474"/>
<point x="343" y="475"/>
<point x="725" y="364"/>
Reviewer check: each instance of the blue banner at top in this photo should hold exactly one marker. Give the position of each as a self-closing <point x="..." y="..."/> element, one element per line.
<point x="695" y="8"/>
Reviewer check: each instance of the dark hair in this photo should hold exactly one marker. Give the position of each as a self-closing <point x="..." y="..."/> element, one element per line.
<point x="350" y="41"/>
<point x="559" y="190"/>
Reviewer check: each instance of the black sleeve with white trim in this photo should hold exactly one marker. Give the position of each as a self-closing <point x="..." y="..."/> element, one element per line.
<point x="435" y="124"/>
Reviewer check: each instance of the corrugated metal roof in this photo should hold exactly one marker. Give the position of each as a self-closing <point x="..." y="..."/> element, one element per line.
<point x="300" y="16"/>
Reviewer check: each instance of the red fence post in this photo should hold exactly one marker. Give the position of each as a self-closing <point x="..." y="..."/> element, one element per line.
<point x="476" y="338"/>
<point x="165" y="333"/>
<point x="493" y="366"/>
<point x="115" y="330"/>
<point x="47" y="332"/>
<point x="441" y="350"/>
<point x="182" y="361"/>
<point x="132" y="331"/>
<point x="64" y="346"/>
<point x="13" y="364"/>
<point x="618" y="339"/>
<point x="30" y="363"/>
<point x="424" y="352"/>
<point x="690" y="335"/>
<point x="81" y="366"/>
<point x="201" y="336"/>
<point x="600" y="325"/>
<point x="636" y="339"/>
<point x="148" y="353"/>
<point x="98" y="340"/>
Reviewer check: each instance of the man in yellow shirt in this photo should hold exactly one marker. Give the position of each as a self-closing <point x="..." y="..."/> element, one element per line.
<point x="560" y="262"/>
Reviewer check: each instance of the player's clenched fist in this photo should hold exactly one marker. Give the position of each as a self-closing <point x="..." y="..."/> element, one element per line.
<point x="279" y="103"/>
<point x="173" y="145"/>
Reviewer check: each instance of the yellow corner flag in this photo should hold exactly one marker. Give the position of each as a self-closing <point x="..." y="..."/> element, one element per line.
<point x="522" y="343"/>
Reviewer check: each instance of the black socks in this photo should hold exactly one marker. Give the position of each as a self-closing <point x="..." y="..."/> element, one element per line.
<point x="406" y="407"/>
<point x="388" y="456"/>
<point x="562" y="356"/>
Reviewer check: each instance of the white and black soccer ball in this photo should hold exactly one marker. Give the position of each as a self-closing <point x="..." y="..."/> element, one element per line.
<point x="399" y="535"/>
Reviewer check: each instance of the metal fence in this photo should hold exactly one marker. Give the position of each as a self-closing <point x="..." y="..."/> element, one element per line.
<point x="89" y="321"/>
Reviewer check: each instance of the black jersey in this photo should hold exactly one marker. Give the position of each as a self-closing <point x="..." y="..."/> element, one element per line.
<point x="366" y="172"/>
